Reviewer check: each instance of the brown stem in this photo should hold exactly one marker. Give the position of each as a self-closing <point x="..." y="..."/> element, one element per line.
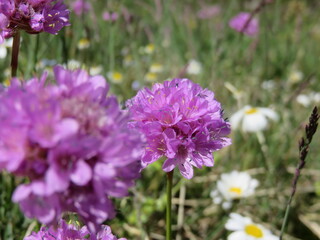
<point x="15" y="54"/>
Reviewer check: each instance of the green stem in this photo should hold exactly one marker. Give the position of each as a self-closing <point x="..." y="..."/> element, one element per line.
<point x="15" y="54"/>
<point x="168" y="212"/>
<point x="285" y="220"/>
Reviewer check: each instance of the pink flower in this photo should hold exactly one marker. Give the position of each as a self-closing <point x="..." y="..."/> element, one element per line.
<point x="208" y="12"/>
<point x="110" y="16"/>
<point x="244" y="23"/>
<point x="81" y="6"/>
<point x="72" y="142"/>
<point x="181" y="121"/>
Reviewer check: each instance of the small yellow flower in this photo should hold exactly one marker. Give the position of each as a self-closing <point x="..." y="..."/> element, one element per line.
<point x="83" y="43"/>
<point x="127" y="60"/>
<point x="115" y="77"/>
<point x="150" y="77"/>
<point x="95" y="70"/>
<point x="295" y="77"/>
<point x="149" y="49"/>
<point x="156" y="68"/>
<point x="6" y="82"/>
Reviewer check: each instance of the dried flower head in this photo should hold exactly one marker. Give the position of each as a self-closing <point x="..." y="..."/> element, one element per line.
<point x="180" y="121"/>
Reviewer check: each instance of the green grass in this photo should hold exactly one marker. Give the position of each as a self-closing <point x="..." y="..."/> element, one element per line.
<point x="288" y="41"/>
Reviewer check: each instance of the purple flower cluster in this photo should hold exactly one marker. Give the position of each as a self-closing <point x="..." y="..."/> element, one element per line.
<point x="32" y="16"/>
<point x="72" y="142"/>
<point x="71" y="232"/>
<point x="182" y="122"/>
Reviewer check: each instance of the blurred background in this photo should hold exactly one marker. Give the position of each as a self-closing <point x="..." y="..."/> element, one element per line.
<point x="134" y="44"/>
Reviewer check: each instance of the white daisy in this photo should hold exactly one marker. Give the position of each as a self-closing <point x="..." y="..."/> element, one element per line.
<point x="304" y="100"/>
<point x="83" y="43"/>
<point x="156" y="68"/>
<point x="235" y="185"/>
<point x="115" y="77"/>
<point x="295" y="76"/>
<point x="252" y="119"/>
<point x="73" y="64"/>
<point x="95" y="70"/>
<point x="3" y="47"/>
<point x="194" y="67"/>
<point x="245" y="229"/>
<point x="307" y="99"/>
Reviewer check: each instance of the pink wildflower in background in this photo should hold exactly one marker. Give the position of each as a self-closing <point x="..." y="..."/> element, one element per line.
<point x="240" y="23"/>
<point x="81" y="6"/>
<point x="110" y="16"/>
<point x="71" y="140"/>
<point x="182" y="122"/>
<point x="70" y="231"/>
<point x="208" y="12"/>
<point x="32" y="16"/>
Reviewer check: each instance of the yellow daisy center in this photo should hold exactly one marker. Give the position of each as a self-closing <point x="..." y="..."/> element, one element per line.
<point x="251" y="111"/>
<point x="235" y="190"/>
<point x="151" y="77"/>
<point x="117" y="77"/>
<point x="149" y="48"/>
<point x="253" y="230"/>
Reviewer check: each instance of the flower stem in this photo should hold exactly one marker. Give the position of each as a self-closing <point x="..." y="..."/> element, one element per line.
<point x="168" y="212"/>
<point x="304" y="144"/>
<point x="15" y="54"/>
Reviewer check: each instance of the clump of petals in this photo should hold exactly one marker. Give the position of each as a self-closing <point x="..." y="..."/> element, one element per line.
<point x="71" y="231"/>
<point x="62" y="138"/>
<point x="180" y="121"/>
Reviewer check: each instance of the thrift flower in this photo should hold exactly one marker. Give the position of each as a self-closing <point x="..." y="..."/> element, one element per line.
<point x="81" y="7"/>
<point x="180" y="121"/>
<point x="208" y="12"/>
<point x="62" y="138"/>
<point x="110" y="16"/>
<point x="240" y="23"/>
<point x="253" y="119"/>
<point x="234" y="185"/>
<point x="245" y="229"/>
<point x="72" y="232"/>
<point x="32" y="16"/>
<point x="194" y="67"/>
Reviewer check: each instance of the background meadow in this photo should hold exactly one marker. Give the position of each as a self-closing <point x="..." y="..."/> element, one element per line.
<point x="137" y="43"/>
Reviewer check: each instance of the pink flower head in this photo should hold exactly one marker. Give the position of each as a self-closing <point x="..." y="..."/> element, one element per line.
<point x="208" y="12"/>
<point x="244" y="23"/>
<point x="81" y="6"/>
<point x="72" y="141"/>
<point x="71" y="232"/>
<point x="180" y="121"/>
<point x="32" y="16"/>
<point x="110" y="16"/>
